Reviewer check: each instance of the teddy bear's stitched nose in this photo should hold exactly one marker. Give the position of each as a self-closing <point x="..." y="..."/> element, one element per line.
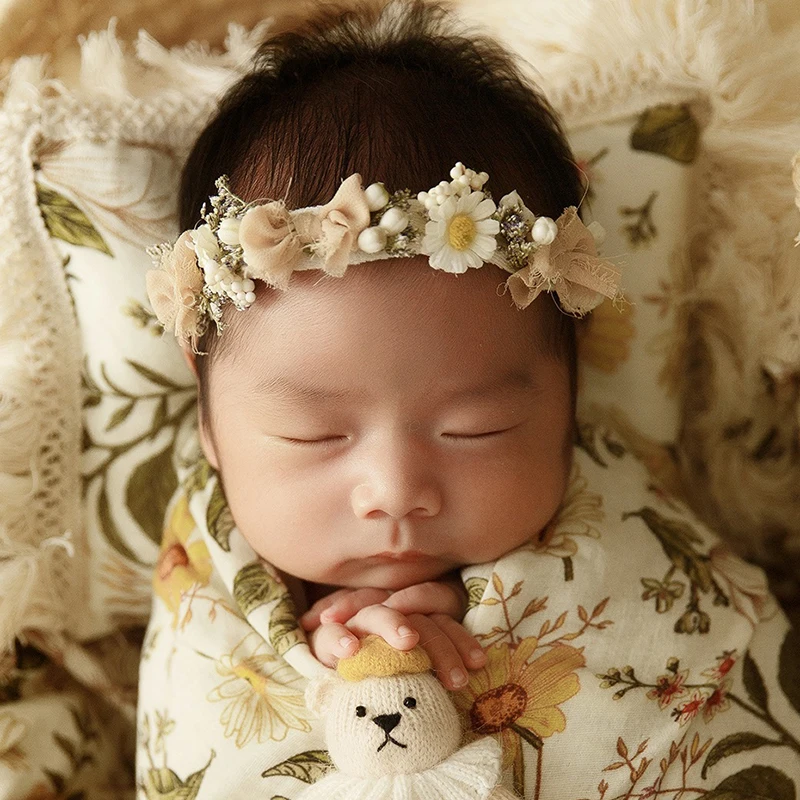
<point x="387" y="721"/>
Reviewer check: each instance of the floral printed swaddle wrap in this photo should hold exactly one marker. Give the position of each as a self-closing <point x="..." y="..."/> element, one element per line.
<point x="630" y="656"/>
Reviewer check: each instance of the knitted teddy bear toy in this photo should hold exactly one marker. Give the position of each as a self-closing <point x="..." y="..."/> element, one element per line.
<point x="393" y="732"/>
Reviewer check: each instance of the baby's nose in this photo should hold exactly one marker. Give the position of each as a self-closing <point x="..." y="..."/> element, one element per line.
<point x="387" y="721"/>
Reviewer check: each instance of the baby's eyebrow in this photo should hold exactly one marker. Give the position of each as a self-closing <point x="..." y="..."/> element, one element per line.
<point x="280" y="387"/>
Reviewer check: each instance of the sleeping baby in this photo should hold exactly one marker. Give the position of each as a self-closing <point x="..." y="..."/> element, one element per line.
<point x="376" y="288"/>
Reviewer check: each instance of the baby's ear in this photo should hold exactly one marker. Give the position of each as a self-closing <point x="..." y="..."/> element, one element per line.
<point x="320" y="691"/>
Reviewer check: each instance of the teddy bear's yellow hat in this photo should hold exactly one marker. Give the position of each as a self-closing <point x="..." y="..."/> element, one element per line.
<point x="376" y="658"/>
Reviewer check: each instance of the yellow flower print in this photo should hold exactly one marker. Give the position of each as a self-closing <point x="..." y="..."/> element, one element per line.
<point x="517" y="699"/>
<point x="604" y="337"/>
<point x="180" y="566"/>
<point x="264" y="696"/>
<point x="579" y="509"/>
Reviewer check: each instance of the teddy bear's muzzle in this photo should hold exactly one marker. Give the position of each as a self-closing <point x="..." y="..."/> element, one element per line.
<point x="387" y="723"/>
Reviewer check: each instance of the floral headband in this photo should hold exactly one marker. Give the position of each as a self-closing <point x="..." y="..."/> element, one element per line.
<point x="456" y="224"/>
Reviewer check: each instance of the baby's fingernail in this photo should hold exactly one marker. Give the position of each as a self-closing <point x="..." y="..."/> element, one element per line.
<point x="404" y="631"/>
<point x="477" y="656"/>
<point x="325" y="616"/>
<point x="458" y="677"/>
<point x="346" y="643"/>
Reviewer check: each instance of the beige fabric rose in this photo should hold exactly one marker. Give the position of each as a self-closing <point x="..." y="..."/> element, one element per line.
<point x="570" y="266"/>
<point x="334" y="228"/>
<point x="174" y="289"/>
<point x="270" y="246"/>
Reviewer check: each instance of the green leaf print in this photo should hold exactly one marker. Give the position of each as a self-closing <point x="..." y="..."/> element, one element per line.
<point x="730" y="745"/>
<point x="111" y="531"/>
<point x="753" y="682"/>
<point x="253" y="586"/>
<point x="149" y="491"/>
<point x="586" y="439"/>
<point x="120" y="415"/>
<point x="197" y="478"/>
<point x="308" y="766"/>
<point x="65" y="221"/>
<point x="755" y="783"/>
<point x="156" y="377"/>
<point x="669" y="130"/>
<point x="164" y="784"/>
<point x="284" y="632"/>
<point x="219" y="518"/>
<point x="680" y="543"/>
<point x="475" y="589"/>
<point x="789" y="667"/>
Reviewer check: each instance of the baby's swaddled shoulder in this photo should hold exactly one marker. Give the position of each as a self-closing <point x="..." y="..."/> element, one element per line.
<point x="619" y="531"/>
<point x="629" y="633"/>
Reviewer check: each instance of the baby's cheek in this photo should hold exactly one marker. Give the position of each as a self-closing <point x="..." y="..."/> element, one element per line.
<point x="514" y="504"/>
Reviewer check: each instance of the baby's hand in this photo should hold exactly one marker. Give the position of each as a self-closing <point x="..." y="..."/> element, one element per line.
<point x="426" y="613"/>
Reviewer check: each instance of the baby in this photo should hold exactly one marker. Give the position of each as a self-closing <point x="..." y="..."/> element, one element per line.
<point x="376" y="432"/>
<point x="379" y="307"/>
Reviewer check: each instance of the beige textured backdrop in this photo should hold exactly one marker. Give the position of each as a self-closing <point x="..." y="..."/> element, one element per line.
<point x="29" y="27"/>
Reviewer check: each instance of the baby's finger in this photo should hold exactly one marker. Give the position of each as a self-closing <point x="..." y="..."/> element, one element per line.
<point x="348" y="605"/>
<point x="469" y="648"/>
<point x="340" y="605"/>
<point x="332" y="641"/>
<point x="432" y="597"/>
<point x="310" y="619"/>
<point x="444" y="656"/>
<point x="393" y="626"/>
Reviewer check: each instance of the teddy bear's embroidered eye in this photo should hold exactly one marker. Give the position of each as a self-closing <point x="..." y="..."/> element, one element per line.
<point x="410" y="702"/>
<point x="361" y="711"/>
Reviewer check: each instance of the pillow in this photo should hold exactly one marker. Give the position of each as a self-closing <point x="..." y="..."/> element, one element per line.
<point x="639" y="173"/>
<point x="99" y="166"/>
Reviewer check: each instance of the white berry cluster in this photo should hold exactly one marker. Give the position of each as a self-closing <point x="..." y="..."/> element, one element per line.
<point x="392" y="222"/>
<point x="220" y="279"/>
<point x="463" y="182"/>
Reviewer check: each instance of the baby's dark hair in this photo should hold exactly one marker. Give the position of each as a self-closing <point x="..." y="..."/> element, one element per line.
<point x="398" y="95"/>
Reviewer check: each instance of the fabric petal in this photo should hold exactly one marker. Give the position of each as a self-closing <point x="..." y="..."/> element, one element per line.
<point x="469" y="202"/>
<point x="161" y="293"/>
<point x="341" y="221"/>
<point x="270" y="247"/>
<point x="485" y="209"/>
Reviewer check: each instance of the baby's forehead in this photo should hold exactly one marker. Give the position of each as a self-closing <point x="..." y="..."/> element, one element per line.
<point x="402" y="291"/>
<point x="422" y="324"/>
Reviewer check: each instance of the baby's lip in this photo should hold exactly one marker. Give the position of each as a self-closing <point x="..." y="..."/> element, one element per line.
<point x="401" y="555"/>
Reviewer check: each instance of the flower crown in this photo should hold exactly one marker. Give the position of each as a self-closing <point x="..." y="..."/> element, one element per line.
<point x="455" y="223"/>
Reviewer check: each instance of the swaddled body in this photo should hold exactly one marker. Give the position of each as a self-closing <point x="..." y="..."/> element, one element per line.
<point x="587" y="665"/>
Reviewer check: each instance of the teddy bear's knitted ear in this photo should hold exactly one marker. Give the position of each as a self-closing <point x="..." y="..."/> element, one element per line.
<point x="319" y="693"/>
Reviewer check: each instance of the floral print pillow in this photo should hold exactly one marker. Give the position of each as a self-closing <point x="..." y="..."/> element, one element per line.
<point x="103" y="204"/>
<point x="638" y="173"/>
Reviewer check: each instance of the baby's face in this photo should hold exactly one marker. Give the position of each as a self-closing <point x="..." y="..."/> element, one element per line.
<point x="384" y="428"/>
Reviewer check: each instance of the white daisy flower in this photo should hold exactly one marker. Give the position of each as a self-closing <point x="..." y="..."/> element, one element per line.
<point x="460" y="233"/>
